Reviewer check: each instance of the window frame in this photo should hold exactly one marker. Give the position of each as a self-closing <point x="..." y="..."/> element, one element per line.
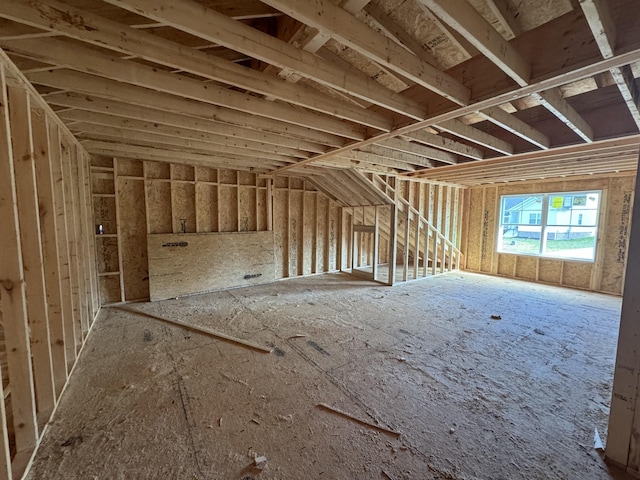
<point x="544" y="224"/>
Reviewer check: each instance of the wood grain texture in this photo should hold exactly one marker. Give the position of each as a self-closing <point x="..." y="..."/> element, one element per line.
<point x="207" y="262"/>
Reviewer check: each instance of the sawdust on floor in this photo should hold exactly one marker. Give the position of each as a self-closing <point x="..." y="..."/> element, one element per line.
<point x="472" y="397"/>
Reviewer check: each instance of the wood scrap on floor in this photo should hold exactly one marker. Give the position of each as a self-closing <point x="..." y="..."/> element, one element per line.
<point x="193" y="328"/>
<point x="337" y="411"/>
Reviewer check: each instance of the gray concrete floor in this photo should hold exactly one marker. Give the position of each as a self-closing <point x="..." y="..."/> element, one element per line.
<point x="472" y="397"/>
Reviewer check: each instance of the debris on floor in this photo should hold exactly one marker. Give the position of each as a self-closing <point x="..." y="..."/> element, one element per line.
<point x="496" y="317"/>
<point x="597" y="441"/>
<point x="337" y="411"/>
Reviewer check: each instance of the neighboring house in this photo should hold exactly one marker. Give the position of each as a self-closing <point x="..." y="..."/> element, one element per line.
<point x="569" y="216"/>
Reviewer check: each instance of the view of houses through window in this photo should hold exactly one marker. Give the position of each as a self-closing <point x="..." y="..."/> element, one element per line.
<point x="560" y="225"/>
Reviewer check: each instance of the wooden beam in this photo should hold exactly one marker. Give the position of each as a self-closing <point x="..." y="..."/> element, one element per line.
<point x="56" y="16"/>
<point x="467" y="21"/>
<point x="112" y="90"/>
<point x="516" y="126"/>
<point x="110" y="134"/>
<point x="356" y="157"/>
<point x="505" y="15"/>
<point x="456" y="39"/>
<point x="629" y="90"/>
<point x="553" y="101"/>
<point x="562" y="76"/>
<point x="409" y="158"/>
<point x="97" y="110"/>
<point x="111" y="67"/>
<point x="602" y="26"/>
<point x="443" y="143"/>
<point x="174" y="156"/>
<point x="422" y="150"/>
<point x="472" y="134"/>
<point x="203" y="22"/>
<point x="348" y="30"/>
<point x="14" y="298"/>
<point x="189" y="138"/>
<point x="32" y="257"/>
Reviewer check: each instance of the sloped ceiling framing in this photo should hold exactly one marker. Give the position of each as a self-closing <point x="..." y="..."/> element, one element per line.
<point x="448" y="90"/>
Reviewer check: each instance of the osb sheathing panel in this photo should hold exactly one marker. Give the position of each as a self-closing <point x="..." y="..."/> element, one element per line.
<point x="247" y="212"/>
<point x="506" y="264"/>
<point x="107" y="254"/>
<point x="475" y="230"/>
<point x="308" y="232"/>
<point x="133" y="238"/>
<point x="488" y="232"/>
<point x="526" y="267"/>
<point x="305" y="232"/>
<point x="550" y="271"/>
<point x="577" y="274"/>
<point x="193" y="263"/>
<point x="109" y="289"/>
<point x="280" y="227"/>
<point x="183" y="204"/>
<point x="159" y="201"/>
<point x="295" y="232"/>
<point x="207" y="207"/>
<point x="618" y="223"/>
<point x="228" y="208"/>
<point x="104" y="211"/>
<point x="611" y="250"/>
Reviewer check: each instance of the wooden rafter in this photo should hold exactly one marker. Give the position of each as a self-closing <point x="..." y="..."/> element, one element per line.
<point x="349" y="31"/>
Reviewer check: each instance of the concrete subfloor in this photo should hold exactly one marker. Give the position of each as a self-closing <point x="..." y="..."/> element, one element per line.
<point x="472" y="397"/>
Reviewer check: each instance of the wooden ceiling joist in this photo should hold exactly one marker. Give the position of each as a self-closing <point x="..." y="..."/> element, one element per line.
<point x="99" y="31"/>
<point x="472" y="134"/>
<point x="553" y="101"/>
<point x="346" y="29"/>
<point x="94" y="109"/>
<point x="327" y="85"/>
<point x="461" y="16"/>
<point x="113" y="90"/>
<point x="194" y="18"/>
<point x="516" y="126"/>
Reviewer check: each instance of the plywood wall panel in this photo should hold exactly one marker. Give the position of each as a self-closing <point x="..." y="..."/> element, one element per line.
<point x="228" y="208"/>
<point x="296" y="223"/>
<point x="159" y="207"/>
<point x="247" y="209"/>
<point x="281" y="229"/>
<point x="506" y="264"/>
<point x="577" y="274"/>
<point x="183" y="205"/>
<point x="194" y="263"/>
<point x="617" y="225"/>
<point x="550" y="271"/>
<point x="133" y="238"/>
<point x="475" y="230"/>
<point x="526" y="267"/>
<point x="207" y="207"/>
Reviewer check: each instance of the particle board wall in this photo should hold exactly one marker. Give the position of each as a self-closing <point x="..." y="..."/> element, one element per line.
<point x="49" y="288"/>
<point x="605" y="274"/>
<point x="133" y="198"/>
<point x="185" y="264"/>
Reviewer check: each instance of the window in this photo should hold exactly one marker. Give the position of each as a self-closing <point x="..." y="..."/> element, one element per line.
<point x="559" y="225"/>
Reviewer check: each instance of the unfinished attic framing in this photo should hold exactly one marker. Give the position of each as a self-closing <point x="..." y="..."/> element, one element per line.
<point x="159" y="149"/>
